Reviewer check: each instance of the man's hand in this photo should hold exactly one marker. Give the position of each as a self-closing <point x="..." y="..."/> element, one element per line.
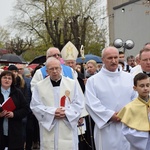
<point x="115" y="118"/>
<point x="85" y="80"/>
<point x="80" y="121"/>
<point x="60" y="113"/>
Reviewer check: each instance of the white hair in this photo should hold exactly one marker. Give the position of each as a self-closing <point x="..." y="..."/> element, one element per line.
<point x="51" y="59"/>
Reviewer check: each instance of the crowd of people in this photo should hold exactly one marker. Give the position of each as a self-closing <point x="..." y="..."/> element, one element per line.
<point x="70" y="106"/>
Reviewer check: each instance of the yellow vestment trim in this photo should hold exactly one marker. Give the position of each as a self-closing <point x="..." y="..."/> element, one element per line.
<point x="65" y="134"/>
<point x="135" y="115"/>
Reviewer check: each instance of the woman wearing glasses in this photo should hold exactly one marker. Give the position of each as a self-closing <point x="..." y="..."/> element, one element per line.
<point x="11" y="134"/>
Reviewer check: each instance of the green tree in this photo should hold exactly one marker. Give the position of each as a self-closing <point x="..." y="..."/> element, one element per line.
<point x="55" y="22"/>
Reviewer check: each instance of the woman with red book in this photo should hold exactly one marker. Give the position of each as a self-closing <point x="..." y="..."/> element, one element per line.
<point x="11" y="134"/>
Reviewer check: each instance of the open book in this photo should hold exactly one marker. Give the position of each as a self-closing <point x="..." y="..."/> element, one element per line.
<point x="8" y="105"/>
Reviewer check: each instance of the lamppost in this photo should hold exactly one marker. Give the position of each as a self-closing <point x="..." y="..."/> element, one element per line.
<point x="128" y="44"/>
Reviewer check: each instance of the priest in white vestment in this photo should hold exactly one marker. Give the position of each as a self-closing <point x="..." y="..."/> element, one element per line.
<point x="57" y="118"/>
<point x="144" y="64"/>
<point x="41" y="73"/>
<point x="106" y="93"/>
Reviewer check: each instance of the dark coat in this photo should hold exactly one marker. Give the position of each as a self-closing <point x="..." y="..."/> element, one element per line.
<point x="15" y="131"/>
<point x="80" y="79"/>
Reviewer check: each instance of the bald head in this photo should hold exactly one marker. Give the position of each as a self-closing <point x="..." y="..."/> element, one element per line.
<point x="53" y="68"/>
<point x="53" y="52"/>
<point x="147" y="45"/>
<point x="109" y="50"/>
<point x="110" y="57"/>
<point x="51" y="60"/>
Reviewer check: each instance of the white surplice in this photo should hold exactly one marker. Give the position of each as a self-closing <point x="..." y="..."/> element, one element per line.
<point x="42" y="93"/>
<point x="106" y="93"/>
<point x="139" y="140"/>
<point x="135" y="70"/>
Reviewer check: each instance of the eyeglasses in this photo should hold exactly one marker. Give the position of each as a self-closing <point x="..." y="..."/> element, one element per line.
<point x="6" y="78"/>
<point x="55" y="55"/>
<point x="53" y="69"/>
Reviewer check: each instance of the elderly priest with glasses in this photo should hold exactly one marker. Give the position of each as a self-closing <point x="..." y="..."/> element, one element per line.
<point x="41" y="73"/>
<point x="56" y="103"/>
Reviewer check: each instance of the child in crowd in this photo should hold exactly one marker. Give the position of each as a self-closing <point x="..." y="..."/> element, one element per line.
<point x="135" y="116"/>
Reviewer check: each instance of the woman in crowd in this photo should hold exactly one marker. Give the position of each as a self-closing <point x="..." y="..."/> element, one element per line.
<point x="11" y="134"/>
<point x="91" y="68"/>
<point x="19" y="81"/>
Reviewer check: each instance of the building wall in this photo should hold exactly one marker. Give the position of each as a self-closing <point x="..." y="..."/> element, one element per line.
<point x="110" y="5"/>
<point x="106" y="19"/>
<point x="132" y="21"/>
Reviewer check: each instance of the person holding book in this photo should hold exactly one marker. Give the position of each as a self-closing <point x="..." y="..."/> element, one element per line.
<point x="11" y="119"/>
<point x="135" y="116"/>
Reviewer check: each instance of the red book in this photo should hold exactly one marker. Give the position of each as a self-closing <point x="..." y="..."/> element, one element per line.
<point x="62" y="101"/>
<point x="8" y="105"/>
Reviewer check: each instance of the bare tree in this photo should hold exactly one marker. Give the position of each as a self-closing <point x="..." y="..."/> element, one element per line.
<point x="56" y="22"/>
<point x="18" y="45"/>
<point x="4" y="36"/>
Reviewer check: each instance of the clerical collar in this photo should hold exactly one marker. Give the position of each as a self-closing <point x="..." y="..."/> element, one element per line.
<point x="56" y="83"/>
<point x="148" y="73"/>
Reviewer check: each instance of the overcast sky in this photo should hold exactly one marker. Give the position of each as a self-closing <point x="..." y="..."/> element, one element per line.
<point x="6" y="7"/>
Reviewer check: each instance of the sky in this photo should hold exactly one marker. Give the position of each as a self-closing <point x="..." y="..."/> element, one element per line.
<point x="6" y="7"/>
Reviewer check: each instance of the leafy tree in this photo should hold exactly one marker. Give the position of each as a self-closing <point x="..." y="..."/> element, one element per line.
<point x="53" y="22"/>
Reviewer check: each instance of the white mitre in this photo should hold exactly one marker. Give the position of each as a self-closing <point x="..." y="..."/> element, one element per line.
<point x="69" y="52"/>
